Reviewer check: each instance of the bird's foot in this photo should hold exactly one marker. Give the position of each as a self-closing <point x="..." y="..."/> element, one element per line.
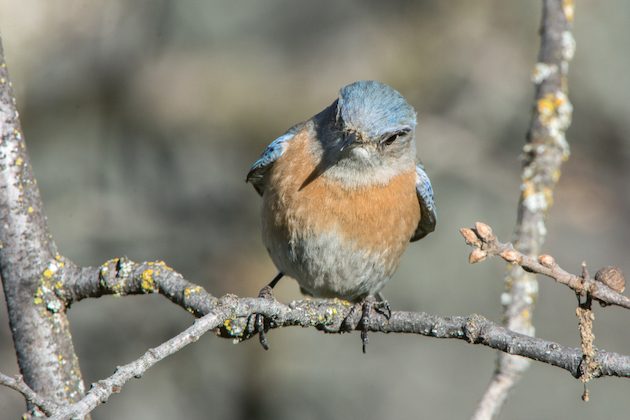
<point x="258" y="323"/>
<point x="370" y="307"/>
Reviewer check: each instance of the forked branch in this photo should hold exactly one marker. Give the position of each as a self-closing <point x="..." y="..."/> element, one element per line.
<point x="606" y="289"/>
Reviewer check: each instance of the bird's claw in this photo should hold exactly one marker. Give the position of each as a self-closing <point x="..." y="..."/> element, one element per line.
<point x="383" y="308"/>
<point x="369" y="307"/>
<point x="258" y="323"/>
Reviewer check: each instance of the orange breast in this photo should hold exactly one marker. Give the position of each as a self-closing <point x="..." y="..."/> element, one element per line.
<point x="379" y="218"/>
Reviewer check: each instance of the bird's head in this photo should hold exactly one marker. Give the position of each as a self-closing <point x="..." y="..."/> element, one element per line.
<point x="372" y="133"/>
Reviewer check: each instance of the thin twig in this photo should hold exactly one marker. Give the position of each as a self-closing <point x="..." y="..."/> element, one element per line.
<point x="17" y="383"/>
<point x="544" y="152"/>
<point x="486" y="244"/>
<point x="586" y="316"/>
<point x="103" y="389"/>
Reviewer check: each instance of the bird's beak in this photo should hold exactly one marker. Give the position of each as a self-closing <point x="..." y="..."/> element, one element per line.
<point x="348" y="140"/>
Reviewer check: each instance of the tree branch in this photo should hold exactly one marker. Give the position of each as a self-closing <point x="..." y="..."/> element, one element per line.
<point x="545" y="150"/>
<point x="231" y="315"/>
<point x="17" y="383"/>
<point x="41" y="337"/>
<point x="121" y="276"/>
<point x="486" y="244"/>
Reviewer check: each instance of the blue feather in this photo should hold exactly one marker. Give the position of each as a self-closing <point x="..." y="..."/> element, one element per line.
<point x="428" y="215"/>
<point x="275" y="149"/>
<point x="373" y="108"/>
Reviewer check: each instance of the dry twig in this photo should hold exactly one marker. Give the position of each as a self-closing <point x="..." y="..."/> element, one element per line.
<point x="606" y="289"/>
<point x="586" y="316"/>
<point x="544" y="152"/>
<point x="17" y="383"/>
<point x="486" y="244"/>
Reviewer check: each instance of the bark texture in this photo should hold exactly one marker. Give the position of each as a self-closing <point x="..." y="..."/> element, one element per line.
<point x="41" y="334"/>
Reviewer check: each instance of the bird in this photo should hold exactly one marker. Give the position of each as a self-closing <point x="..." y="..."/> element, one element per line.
<point x="343" y="194"/>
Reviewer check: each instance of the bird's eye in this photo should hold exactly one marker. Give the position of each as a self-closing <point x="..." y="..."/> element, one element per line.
<point x="395" y="136"/>
<point x="389" y="140"/>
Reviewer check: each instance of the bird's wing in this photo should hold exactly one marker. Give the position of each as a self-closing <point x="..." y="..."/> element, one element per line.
<point x="424" y="191"/>
<point x="275" y="149"/>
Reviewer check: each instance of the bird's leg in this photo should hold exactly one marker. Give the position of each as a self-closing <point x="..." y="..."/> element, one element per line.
<point x="260" y="326"/>
<point x="370" y="305"/>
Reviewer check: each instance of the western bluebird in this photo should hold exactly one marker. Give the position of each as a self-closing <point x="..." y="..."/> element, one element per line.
<point x="343" y="195"/>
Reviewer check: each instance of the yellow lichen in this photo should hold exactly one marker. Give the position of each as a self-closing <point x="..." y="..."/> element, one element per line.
<point x="342" y="301"/>
<point x="30" y="210"/>
<point x="48" y="273"/>
<point x="555" y="176"/>
<point x="548" y="104"/>
<point x="112" y="261"/>
<point x="554" y="111"/>
<point x="228" y="324"/>
<point x="147" y="284"/>
<point x="569" y="9"/>
<point x="191" y="290"/>
<point x="548" y="193"/>
<point x="545" y="106"/>
<point x="525" y="314"/>
<point x="163" y="265"/>
<point x="19" y="161"/>
<point x="38" y="300"/>
<point x="528" y="189"/>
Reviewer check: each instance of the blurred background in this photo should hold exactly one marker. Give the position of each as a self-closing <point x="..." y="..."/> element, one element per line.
<point x="142" y="119"/>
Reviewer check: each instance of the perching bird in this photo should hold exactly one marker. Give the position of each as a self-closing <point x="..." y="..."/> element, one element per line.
<point x="343" y="195"/>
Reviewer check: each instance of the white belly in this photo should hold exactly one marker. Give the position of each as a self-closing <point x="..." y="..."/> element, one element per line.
<point x="325" y="265"/>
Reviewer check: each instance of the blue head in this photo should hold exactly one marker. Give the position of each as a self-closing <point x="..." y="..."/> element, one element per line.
<point x="373" y="111"/>
<point x="372" y="138"/>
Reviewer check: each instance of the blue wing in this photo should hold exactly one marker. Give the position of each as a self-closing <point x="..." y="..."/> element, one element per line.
<point x="424" y="191"/>
<point x="277" y="147"/>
